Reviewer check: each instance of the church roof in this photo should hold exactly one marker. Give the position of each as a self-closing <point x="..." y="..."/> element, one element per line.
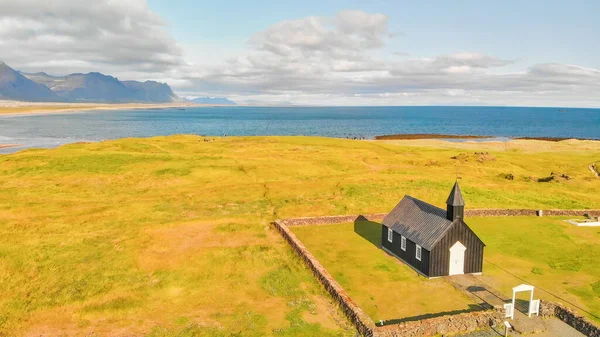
<point x="418" y="221"/>
<point x="455" y="198"/>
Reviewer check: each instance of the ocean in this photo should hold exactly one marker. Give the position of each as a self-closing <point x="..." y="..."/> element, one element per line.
<point x="364" y="122"/>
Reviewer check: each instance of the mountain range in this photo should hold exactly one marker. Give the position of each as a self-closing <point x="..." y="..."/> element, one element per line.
<point x="90" y="87"/>
<point x="15" y="86"/>
<point x="213" y="100"/>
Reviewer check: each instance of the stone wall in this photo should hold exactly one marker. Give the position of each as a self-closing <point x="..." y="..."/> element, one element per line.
<point x="482" y="212"/>
<point x="330" y="220"/>
<point x="500" y="212"/>
<point x="443" y="325"/>
<point x="568" y="316"/>
<point x="449" y="324"/>
<point x="361" y="321"/>
<point x="571" y="212"/>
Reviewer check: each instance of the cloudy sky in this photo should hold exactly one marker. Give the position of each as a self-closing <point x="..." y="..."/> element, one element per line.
<point x="326" y="52"/>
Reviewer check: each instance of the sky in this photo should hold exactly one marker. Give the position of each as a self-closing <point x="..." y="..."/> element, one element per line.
<point x="520" y="53"/>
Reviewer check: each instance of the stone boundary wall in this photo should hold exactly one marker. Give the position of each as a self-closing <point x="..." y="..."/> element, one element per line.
<point x="500" y="212"/>
<point x="329" y="220"/>
<point x="443" y="325"/>
<point x="572" y="212"/>
<point x="579" y="323"/>
<point x="449" y="324"/>
<point x="530" y="212"/>
<point x="483" y="212"/>
<point x="361" y="321"/>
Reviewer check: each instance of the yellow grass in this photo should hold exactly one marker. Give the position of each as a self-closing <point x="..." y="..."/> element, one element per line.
<point x="383" y="286"/>
<point x="168" y="235"/>
<point x="562" y="260"/>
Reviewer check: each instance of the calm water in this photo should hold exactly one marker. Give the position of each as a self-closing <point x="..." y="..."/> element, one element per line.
<point x="368" y="122"/>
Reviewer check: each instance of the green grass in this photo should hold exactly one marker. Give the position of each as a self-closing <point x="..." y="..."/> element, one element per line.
<point x="549" y="253"/>
<point x="171" y="235"/>
<point x="381" y="285"/>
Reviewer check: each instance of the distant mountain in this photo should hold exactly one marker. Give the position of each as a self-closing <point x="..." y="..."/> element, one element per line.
<point x="91" y="87"/>
<point x="97" y="87"/>
<point x="213" y="100"/>
<point x="14" y="86"/>
<point x="151" y="91"/>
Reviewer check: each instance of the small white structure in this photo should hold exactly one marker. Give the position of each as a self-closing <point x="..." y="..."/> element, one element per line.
<point x="534" y="305"/>
<point x="506" y="327"/>
<point x="508" y="310"/>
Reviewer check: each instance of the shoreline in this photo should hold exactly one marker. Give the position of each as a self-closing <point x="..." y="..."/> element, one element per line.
<point x="414" y="136"/>
<point x="491" y="144"/>
<point x="15" y="108"/>
<point x="408" y="136"/>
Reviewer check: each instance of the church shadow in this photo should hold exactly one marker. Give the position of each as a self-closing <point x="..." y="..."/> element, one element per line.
<point x="368" y="230"/>
<point x="486" y="296"/>
<point x="472" y="308"/>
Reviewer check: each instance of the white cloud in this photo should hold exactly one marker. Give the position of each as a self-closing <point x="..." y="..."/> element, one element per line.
<point x="341" y="60"/>
<point x="64" y="36"/>
<point x="321" y="60"/>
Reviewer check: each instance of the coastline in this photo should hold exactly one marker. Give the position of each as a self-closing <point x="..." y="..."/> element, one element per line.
<point x="16" y="108"/>
<point x="408" y="136"/>
<point x="414" y="136"/>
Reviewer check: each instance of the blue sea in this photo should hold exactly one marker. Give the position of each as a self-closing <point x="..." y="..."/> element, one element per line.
<point x="365" y="122"/>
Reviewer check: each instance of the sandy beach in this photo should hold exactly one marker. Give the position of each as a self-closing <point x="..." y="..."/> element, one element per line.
<point x="8" y="108"/>
<point x="7" y="145"/>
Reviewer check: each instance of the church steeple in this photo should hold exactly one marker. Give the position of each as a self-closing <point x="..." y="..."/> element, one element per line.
<point x="455" y="203"/>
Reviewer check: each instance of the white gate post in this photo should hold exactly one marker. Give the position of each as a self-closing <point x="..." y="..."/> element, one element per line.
<point x="530" y="301"/>
<point x="512" y="313"/>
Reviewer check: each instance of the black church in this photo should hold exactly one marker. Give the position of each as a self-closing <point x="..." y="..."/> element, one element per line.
<point x="433" y="241"/>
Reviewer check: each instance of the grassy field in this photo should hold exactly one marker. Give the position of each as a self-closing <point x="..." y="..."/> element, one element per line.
<point x="562" y="260"/>
<point x="171" y="236"/>
<point x="380" y="284"/>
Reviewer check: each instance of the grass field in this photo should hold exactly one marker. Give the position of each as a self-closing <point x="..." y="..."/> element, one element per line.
<point x="562" y="260"/>
<point x="380" y="284"/>
<point x="171" y="236"/>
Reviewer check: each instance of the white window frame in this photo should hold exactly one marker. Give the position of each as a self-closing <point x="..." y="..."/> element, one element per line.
<point x="418" y="252"/>
<point x="403" y="243"/>
<point x="390" y="235"/>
